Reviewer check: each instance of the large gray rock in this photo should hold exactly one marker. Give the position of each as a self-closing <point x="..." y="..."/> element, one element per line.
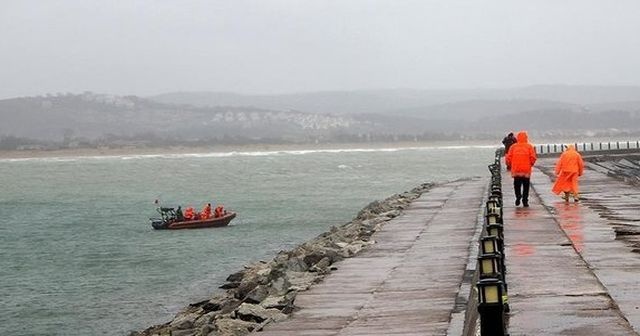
<point x="301" y="281"/>
<point x="184" y="321"/>
<point x="257" y="294"/>
<point x="207" y="330"/>
<point x="279" y="286"/>
<point x="296" y="264"/>
<point x="204" y="320"/>
<point x="321" y="266"/>
<point x="186" y="332"/>
<point x="255" y="313"/>
<point x="276" y="302"/>
<point x="234" y="327"/>
<point x="390" y="214"/>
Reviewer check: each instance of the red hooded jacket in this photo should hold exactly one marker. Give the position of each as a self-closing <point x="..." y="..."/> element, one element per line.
<point x="521" y="156"/>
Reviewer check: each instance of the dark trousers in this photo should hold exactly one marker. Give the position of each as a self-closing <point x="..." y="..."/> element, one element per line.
<point x="521" y="187"/>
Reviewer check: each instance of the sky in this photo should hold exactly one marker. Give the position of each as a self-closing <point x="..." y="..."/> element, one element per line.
<point x="147" y="47"/>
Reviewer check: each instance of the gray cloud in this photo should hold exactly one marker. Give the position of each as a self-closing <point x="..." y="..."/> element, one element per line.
<point x="152" y="46"/>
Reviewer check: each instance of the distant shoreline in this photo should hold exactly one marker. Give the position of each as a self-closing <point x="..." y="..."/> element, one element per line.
<point x="89" y="152"/>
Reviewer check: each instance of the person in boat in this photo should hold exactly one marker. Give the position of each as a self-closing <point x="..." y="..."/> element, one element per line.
<point x="206" y="212"/>
<point x="219" y="211"/>
<point x="179" y="215"/>
<point x="189" y="213"/>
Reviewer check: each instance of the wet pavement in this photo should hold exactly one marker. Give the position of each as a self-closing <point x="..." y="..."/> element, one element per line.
<point x="570" y="271"/>
<point x="572" y="268"/>
<point x="411" y="282"/>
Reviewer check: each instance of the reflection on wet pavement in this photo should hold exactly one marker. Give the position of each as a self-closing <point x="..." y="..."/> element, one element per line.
<point x="570" y="220"/>
<point x="574" y="267"/>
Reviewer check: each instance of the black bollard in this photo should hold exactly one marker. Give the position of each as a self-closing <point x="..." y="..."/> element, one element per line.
<point x="496" y="230"/>
<point x="493" y="218"/>
<point x="491" y="307"/>
<point x="489" y="244"/>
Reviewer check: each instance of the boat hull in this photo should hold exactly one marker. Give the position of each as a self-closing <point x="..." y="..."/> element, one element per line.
<point x="195" y="224"/>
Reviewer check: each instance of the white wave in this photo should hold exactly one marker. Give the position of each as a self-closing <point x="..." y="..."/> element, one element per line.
<point x="45" y="159"/>
<point x="247" y="153"/>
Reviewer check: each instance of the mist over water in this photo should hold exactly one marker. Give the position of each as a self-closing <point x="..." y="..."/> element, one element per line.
<point x="79" y="257"/>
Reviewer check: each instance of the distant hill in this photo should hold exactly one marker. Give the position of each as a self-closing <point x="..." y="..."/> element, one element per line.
<point x="90" y="119"/>
<point x="395" y="102"/>
<point x="472" y="110"/>
<point x="93" y="116"/>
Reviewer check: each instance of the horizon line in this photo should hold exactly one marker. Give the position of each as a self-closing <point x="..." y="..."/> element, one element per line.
<point x="321" y="91"/>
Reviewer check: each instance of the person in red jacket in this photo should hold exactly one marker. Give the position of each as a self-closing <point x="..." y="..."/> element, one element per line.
<point x="568" y="168"/>
<point x="521" y="158"/>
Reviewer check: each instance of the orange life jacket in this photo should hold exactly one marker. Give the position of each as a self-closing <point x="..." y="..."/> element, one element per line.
<point x="206" y="212"/>
<point x="219" y="212"/>
<point x="189" y="213"/>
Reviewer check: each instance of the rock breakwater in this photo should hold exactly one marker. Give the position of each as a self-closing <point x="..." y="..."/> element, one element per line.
<point x="265" y="292"/>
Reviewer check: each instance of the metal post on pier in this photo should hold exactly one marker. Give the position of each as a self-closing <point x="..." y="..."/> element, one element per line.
<point x="490" y="307"/>
<point x="492" y="287"/>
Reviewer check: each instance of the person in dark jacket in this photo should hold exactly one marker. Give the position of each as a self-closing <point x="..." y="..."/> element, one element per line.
<point x="507" y="142"/>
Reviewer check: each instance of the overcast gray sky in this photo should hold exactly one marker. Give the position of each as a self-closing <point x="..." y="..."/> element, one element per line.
<point x="146" y="47"/>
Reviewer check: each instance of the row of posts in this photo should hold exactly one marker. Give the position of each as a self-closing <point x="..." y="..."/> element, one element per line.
<point x="492" y="283"/>
<point x="584" y="147"/>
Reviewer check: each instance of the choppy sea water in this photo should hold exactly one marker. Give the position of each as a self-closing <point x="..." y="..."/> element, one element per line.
<point x="78" y="256"/>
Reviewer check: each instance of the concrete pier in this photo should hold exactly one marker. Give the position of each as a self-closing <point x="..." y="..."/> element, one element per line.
<point x="572" y="268"/>
<point x="413" y="281"/>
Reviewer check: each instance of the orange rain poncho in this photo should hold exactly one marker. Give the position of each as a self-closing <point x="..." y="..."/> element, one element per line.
<point x="568" y="168"/>
<point x="521" y="156"/>
<point x="206" y="211"/>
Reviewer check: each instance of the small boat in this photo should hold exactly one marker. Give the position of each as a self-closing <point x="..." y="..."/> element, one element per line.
<point x="170" y="221"/>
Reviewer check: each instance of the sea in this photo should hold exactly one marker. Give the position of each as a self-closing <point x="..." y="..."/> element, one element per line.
<point x="78" y="255"/>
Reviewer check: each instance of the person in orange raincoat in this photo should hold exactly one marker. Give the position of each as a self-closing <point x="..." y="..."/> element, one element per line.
<point x="219" y="211"/>
<point x="189" y="213"/>
<point x="521" y="158"/>
<point x="568" y="169"/>
<point x="206" y="212"/>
